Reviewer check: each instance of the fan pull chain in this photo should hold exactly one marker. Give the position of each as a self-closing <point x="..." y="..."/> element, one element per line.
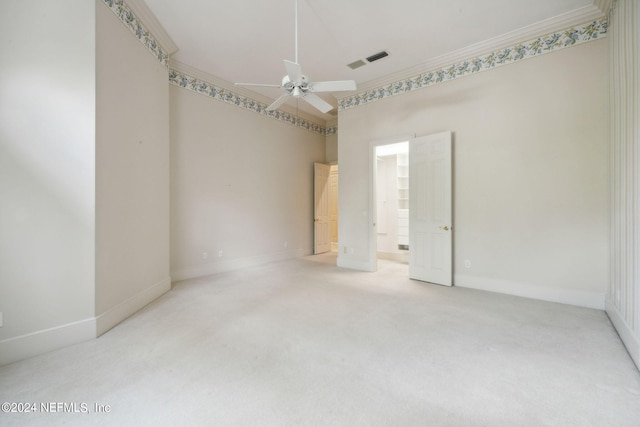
<point x="296" y="30"/>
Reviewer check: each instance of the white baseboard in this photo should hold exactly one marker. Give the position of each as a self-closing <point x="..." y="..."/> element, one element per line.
<point x="630" y="340"/>
<point x="46" y="340"/>
<point x="120" y="312"/>
<point x="564" y="296"/>
<point x="235" y="264"/>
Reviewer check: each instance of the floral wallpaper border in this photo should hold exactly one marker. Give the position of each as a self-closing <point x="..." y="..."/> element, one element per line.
<point x="539" y="46"/>
<point x="183" y="80"/>
<point x="131" y="21"/>
<point x="549" y="43"/>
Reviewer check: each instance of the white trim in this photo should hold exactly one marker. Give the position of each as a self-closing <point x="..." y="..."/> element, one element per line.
<point x="219" y="93"/>
<point x="183" y="68"/>
<point x="577" y="297"/>
<point x="546" y="26"/>
<point x="46" y="340"/>
<point x="120" y="312"/>
<point x="236" y="264"/>
<point x="604" y="5"/>
<point x="125" y="14"/>
<point x="149" y="20"/>
<point x="552" y="42"/>
<point x="629" y="339"/>
<point x="40" y="342"/>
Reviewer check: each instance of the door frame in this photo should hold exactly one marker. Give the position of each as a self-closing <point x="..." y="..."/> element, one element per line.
<point x="373" y="238"/>
<point x="324" y="198"/>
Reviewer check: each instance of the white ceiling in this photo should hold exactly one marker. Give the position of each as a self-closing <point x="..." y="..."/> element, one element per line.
<point x="247" y="40"/>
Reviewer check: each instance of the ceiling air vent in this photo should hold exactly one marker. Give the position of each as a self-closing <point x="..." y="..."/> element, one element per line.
<point x="357" y="64"/>
<point x="377" y="56"/>
<point x="362" y="62"/>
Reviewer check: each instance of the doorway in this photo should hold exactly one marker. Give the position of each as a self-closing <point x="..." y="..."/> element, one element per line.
<point x="427" y="169"/>
<point x="392" y="201"/>
<point x="325" y="208"/>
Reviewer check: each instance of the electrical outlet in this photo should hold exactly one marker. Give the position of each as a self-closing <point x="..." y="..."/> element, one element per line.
<point x="219" y="254"/>
<point x="467" y="263"/>
<point x="205" y="255"/>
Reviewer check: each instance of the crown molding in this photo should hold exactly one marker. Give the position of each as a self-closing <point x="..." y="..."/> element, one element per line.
<point x="181" y="67"/>
<point x="149" y="20"/>
<point x="551" y="42"/>
<point x="215" y="80"/>
<point x="604" y="5"/>
<point x="130" y="19"/>
<point x="547" y="26"/>
<point x="195" y="80"/>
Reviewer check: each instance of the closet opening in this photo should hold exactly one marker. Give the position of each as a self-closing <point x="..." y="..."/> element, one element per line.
<point x="392" y="201"/>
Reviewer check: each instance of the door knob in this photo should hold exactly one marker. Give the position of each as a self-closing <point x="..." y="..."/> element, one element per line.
<point x="445" y="228"/>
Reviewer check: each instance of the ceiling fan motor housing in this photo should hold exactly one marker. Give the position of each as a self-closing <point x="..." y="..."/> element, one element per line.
<point x="302" y="85"/>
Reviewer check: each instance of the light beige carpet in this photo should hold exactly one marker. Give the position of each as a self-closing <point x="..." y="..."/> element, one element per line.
<point x="303" y="343"/>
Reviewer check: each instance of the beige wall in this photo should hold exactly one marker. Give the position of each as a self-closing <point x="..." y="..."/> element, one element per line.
<point x="132" y="173"/>
<point x="84" y="218"/>
<point x="47" y="122"/>
<point x="530" y="173"/>
<point x="241" y="183"/>
<point x="331" y="141"/>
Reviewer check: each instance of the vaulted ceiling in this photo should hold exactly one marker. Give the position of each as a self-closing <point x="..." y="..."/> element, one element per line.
<point x="247" y="40"/>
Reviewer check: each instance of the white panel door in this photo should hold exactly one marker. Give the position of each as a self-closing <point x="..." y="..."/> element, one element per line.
<point x="322" y="242"/>
<point x="430" y="209"/>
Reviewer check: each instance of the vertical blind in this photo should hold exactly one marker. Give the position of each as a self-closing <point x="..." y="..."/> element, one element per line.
<point x="623" y="298"/>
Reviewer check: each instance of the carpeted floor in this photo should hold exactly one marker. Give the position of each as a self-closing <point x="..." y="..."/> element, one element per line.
<point x="304" y="343"/>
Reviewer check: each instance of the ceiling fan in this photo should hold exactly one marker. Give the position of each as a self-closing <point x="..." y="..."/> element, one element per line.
<point x="297" y="85"/>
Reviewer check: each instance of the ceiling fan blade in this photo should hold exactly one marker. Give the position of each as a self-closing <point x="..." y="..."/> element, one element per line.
<point x="294" y="71"/>
<point x="256" y="84"/>
<point x="278" y="102"/>
<point x="318" y="102"/>
<point x="336" y="86"/>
